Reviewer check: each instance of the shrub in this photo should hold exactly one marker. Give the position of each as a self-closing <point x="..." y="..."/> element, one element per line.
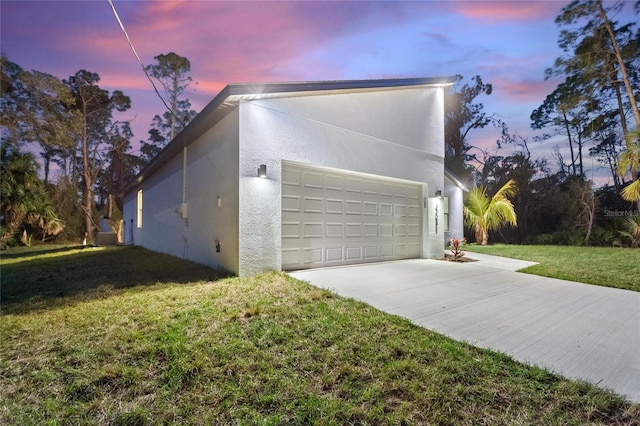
<point x="630" y="234"/>
<point x="602" y="237"/>
<point x="455" y="245"/>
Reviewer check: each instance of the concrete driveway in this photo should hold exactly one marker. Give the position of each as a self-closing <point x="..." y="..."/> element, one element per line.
<point x="580" y="331"/>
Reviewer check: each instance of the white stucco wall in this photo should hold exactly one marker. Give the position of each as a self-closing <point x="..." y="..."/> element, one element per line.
<point x="391" y="133"/>
<point x="211" y="173"/>
<point x="456" y="201"/>
<point x="129" y="216"/>
<point x="398" y="134"/>
<point x="161" y="193"/>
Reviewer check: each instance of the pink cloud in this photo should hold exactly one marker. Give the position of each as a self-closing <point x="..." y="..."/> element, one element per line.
<point x="219" y="38"/>
<point x="508" y="10"/>
<point x="118" y="80"/>
<point x="525" y="91"/>
<point x="226" y="41"/>
<point x="171" y="28"/>
<point x="166" y="6"/>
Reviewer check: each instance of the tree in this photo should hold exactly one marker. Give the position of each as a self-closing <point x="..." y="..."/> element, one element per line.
<point x="50" y="118"/>
<point x="160" y="133"/>
<point x="173" y="73"/>
<point x="607" y="55"/>
<point x="72" y="121"/>
<point x="621" y="59"/>
<point x="38" y="108"/>
<point x="607" y="152"/>
<point x="630" y="160"/>
<point x="11" y="96"/>
<point x="486" y="214"/>
<point x="599" y="48"/>
<point x="586" y="207"/>
<point x="23" y="197"/>
<point x="568" y="110"/>
<point x="525" y="171"/>
<point x="64" y="198"/>
<point x="631" y="231"/>
<point x="95" y="107"/>
<point x="462" y="116"/>
<point x="121" y="168"/>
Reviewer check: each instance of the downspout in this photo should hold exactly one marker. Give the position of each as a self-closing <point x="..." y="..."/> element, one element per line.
<point x="184" y="182"/>
<point x="183" y="209"/>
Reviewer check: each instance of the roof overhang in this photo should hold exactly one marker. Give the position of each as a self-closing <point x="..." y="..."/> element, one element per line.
<point x="449" y="175"/>
<point x="234" y="94"/>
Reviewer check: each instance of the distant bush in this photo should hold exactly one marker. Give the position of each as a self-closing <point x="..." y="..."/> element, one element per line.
<point x="542" y="239"/>
<point x="602" y="237"/>
<point x="558" y="238"/>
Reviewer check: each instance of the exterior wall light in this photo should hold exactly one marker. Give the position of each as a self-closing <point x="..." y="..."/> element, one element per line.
<point x="262" y="171"/>
<point x="438" y="194"/>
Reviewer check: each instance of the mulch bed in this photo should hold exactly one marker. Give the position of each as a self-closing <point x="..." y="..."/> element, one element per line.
<point x="449" y="258"/>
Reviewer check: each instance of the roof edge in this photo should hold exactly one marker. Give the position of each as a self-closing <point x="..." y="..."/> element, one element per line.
<point x="320" y="86"/>
<point x="222" y="104"/>
<point x="453" y="178"/>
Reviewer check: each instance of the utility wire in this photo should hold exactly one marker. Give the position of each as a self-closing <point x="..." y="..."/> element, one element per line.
<point x="139" y="60"/>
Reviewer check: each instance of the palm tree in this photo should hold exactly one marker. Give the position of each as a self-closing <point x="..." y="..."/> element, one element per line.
<point x="24" y="199"/>
<point x="630" y="160"/>
<point x="631" y="231"/>
<point x="485" y="214"/>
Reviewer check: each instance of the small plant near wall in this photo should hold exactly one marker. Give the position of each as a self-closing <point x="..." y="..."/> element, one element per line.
<point x="455" y="245"/>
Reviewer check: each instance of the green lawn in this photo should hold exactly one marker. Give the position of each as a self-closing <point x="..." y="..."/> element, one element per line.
<point x="119" y="344"/>
<point x="605" y="266"/>
<point x="55" y="271"/>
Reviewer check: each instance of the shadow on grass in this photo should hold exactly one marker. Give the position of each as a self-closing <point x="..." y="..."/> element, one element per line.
<point x="42" y="250"/>
<point x="46" y="277"/>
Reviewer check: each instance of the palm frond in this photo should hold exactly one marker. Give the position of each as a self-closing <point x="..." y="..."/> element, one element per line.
<point x="476" y="205"/>
<point x="507" y="190"/>
<point x="632" y="192"/>
<point x="503" y="211"/>
<point x="629" y="160"/>
<point x="485" y="214"/>
<point x="631" y="231"/>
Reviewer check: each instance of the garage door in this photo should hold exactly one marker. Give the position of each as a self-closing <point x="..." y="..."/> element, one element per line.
<point x="337" y="218"/>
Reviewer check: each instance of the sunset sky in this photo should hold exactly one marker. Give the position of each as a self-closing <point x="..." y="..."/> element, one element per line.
<point x="507" y="43"/>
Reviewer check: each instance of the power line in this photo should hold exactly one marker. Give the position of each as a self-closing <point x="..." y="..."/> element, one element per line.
<point x="115" y="13"/>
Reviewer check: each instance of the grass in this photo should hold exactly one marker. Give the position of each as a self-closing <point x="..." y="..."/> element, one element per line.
<point x="604" y="266"/>
<point x="261" y="350"/>
<point x="49" y="272"/>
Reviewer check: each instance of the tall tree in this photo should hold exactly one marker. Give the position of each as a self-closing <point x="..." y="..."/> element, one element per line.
<point x="462" y="115"/>
<point x="607" y="152"/>
<point x="570" y="113"/>
<point x="173" y="72"/>
<point x="50" y="118"/>
<point x="95" y="107"/>
<point x="601" y="49"/>
<point x="122" y="166"/>
<point x="525" y="171"/>
<point x="160" y="133"/>
<point x="607" y="54"/>
<point x="12" y="97"/>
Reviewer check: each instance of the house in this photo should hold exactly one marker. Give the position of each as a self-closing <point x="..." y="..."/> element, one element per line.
<point x="285" y="176"/>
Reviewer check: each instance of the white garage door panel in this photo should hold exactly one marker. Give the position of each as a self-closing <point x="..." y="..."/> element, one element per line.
<point x="330" y="218"/>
